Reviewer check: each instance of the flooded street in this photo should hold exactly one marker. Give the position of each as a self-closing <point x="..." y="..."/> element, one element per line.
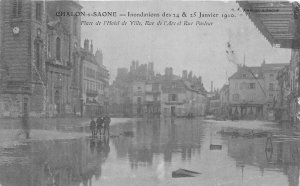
<point x="145" y="152"/>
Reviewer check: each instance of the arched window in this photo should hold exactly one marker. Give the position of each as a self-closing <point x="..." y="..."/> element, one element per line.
<point x="37" y="56"/>
<point x="58" y="48"/>
<point x="75" y="20"/>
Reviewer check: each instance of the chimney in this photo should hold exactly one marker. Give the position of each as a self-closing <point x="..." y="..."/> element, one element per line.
<point x="166" y="71"/>
<point x="211" y="86"/>
<point x="190" y="75"/>
<point x="200" y="80"/>
<point x="99" y="57"/>
<point x="136" y="64"/>
<point x="92" y="50"/>
<point x="86" y="45"/>
<point x="184" y="74"/>
<point x="171" y="71"/>
<point x="132" y="67"/>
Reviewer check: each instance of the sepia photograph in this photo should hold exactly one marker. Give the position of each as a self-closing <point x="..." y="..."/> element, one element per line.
<point x="133" y="93"/>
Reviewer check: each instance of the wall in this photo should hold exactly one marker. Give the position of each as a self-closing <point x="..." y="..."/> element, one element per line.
<point x="254" y="96"/>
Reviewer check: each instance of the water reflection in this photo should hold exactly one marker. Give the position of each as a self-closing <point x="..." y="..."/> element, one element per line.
<point x="132" y="159"/>
<point x="153" y="138"/>
<point x="267" y="155"/>
<point x="57" y="163"/>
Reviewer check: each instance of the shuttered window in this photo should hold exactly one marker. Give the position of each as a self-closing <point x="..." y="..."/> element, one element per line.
<point x="17" y="8"/>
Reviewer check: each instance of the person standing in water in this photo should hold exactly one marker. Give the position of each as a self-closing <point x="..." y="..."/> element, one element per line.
<point x="106" y="124"/>
<point x="99" y="125"/>
<point x="93" y="127"/>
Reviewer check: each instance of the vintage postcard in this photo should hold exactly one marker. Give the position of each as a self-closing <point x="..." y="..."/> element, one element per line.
<point x="166" y="93"/>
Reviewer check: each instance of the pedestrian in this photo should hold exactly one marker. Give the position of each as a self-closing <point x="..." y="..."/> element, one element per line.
<point x="99" y="125"/>
<point x="25" y="126"/>
<point x="93" y="127"/>
<point x="106" y="124"/>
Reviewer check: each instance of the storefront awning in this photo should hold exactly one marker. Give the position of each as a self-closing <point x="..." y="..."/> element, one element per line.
<point x="278" y="21"/>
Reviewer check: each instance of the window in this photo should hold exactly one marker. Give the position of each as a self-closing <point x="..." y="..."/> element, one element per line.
<point x="244" y="75"/>
<point x="172" y="97"/>
<point x="38" y="10"/>
<point x="251" y="85"/>
<point x="17" y="8"/>
<point x="271" y="86"/>
<point x="49" y="45"/>
<point x="37" y="56"/>
<point x="235" y="97"/>
<point x="271" y="75"/>
<point x="139" y="99"/>
<point x="74" y="69"/>
<point x="75" y="25"/>
<point x="271" y="95"/>
<point x="58" y="44"/>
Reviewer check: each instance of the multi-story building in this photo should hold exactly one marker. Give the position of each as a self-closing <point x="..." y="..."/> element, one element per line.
<point x="42" y="63"/>
<point x="138" y="98"/>
<point x="282" y="33"/>
<point x="152" y="97"/>
<point x="246" y="92"/>
<point x="62" y="60"/>
<point x="94" y="82"/>
<point x="37" y="68"/>
<point x="254" y="91"/>
<point x="128" y="91"/>
<point x="180" y="96"/>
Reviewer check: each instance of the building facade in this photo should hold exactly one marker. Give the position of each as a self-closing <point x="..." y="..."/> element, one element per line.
<point x="285" y="35"/>
<point x="41" y="59"/>
<point x="182" y="96"/>
<point x="138" y="92"/>
<point x="94" y="82"/>
<point x="254" y="91"/>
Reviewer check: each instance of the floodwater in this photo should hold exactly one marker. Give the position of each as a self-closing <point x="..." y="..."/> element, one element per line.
<point x="145" y="152"/>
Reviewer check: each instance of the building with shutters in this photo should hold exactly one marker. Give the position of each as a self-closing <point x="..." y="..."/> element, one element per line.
<point x="281" y="29"/>
<point x="254" y="91"/>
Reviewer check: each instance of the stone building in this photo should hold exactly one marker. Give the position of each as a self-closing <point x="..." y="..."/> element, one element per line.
<point x="254" y="91"/>
<point x="182" y="96"/>
<point x="94" y="79"/>
<point x="281" y="29"/>
<point x="128" y="91"/>
<point x="40" y="58"/>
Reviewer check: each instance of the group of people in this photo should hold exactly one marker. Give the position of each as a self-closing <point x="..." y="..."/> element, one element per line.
<point x="101" y="125"/>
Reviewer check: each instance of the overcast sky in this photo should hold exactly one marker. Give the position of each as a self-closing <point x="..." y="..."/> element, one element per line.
<point x="201" y="49"/>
